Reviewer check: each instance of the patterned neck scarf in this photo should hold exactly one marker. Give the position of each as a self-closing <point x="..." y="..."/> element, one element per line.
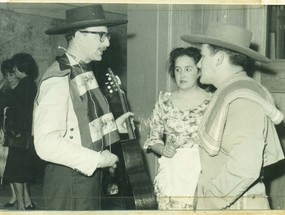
<point x="211" y="129"/>
<point x="96" y="123"/>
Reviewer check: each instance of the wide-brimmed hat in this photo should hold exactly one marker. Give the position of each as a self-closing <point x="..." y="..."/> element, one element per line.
<point x="227" y="36"/>
<point x="83" y="17"/>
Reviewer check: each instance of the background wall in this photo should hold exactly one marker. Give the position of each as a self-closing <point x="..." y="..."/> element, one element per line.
<point x="25" y="33"/>
<point x="147" y="67"/>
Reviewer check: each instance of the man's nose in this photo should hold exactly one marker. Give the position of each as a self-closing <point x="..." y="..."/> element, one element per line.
<point x="106" y="42"/>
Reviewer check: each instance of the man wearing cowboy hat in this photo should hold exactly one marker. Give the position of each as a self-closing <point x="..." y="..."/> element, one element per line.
<point x="72" y="121"/>
<point x="237" y="134"/>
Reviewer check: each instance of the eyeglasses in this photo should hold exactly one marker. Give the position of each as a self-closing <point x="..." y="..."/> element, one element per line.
<point x="103" y="35"/>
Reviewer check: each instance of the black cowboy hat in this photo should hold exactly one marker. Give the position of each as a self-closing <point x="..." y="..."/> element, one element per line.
<point x="83" y="17"/>
<point x="232" y="37"/>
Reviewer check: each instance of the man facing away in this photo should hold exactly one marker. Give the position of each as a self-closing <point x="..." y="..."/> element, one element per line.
<point x="237" y="134"/>
<point x="72" y="121"/>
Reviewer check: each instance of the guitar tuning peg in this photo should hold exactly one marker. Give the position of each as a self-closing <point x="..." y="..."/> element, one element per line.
<point x="109" y="79"/>
<point x="111" y="91"/>
<point x="107" y="74"/>
<point x="108" y="87"/>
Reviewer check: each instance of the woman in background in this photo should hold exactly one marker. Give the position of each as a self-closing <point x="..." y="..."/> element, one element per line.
<point x="6" y="66"/>
<point x="19" y="109"/>
<point x="173" y="129"/>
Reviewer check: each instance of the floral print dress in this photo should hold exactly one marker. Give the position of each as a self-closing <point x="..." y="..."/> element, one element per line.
<point x="176" y="179"/>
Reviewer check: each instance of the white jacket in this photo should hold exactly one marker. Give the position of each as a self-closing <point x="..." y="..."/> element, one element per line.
<point x="55" y="127"/>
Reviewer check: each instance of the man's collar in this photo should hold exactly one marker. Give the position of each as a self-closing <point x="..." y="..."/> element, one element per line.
<point x="226" y="80"/>
<point x="71" y="59"/>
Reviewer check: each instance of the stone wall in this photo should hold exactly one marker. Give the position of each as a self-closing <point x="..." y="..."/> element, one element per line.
<point x="25" y="33"/>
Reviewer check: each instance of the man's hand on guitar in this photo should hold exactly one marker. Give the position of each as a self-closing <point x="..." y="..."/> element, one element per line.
<point x="121" y="124"/>
<point x="107" y="159"/>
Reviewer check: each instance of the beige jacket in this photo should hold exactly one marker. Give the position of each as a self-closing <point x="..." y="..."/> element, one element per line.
<point x="231" y="180"/>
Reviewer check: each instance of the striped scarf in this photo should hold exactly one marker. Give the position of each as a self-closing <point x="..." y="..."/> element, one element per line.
<point x="96" y="123"/>
<point x="211" y="129"/>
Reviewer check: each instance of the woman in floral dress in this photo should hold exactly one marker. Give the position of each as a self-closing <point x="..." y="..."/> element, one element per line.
<point x="173" y="129"/>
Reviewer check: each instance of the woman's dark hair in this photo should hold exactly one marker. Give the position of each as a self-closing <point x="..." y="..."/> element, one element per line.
<point x="178" y="52"/>
<point x="195" y="54"/>
<point x="25" y="63"/>
<point x="7" y="66"/>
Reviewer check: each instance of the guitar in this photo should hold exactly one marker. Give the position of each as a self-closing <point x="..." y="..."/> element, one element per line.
<point x="139" y="180"/>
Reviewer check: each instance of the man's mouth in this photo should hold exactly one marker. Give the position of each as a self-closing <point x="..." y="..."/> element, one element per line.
<point x="101" y="50"/>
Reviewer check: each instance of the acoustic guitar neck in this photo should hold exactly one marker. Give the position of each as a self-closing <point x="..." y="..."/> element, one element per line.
<point x="124" y="102"/>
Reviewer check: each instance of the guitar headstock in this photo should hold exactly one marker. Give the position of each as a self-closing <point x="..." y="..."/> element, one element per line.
<point x="113" y="83"/>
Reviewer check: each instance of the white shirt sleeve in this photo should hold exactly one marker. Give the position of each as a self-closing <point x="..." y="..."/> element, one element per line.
<point x="51" y="118"/>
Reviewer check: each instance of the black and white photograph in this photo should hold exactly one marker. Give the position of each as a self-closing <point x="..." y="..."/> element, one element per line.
<point x="142" y="107"/>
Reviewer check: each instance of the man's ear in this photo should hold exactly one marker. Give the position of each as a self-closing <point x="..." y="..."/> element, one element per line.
<point x="219" y="56"/>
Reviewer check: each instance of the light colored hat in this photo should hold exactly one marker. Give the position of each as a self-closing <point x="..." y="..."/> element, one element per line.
<point x="227" y="36"/>
<point x="83" y="17"/>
